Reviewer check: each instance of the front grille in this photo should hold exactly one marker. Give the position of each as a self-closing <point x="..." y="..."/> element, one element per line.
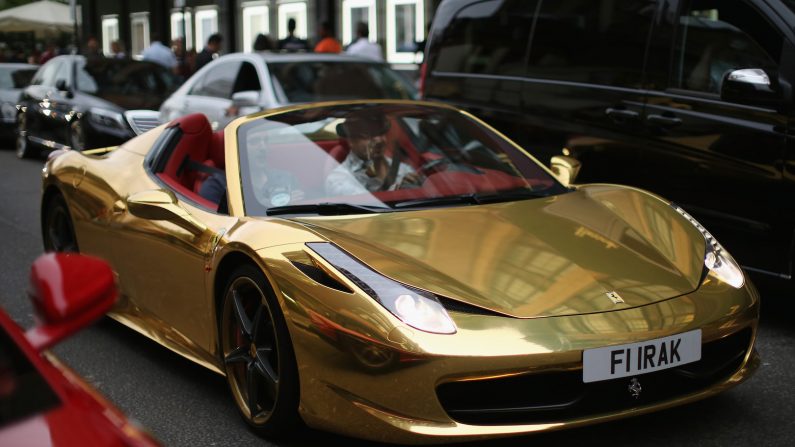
<point x="142" y="120"/>
<point x="555" y="396"/>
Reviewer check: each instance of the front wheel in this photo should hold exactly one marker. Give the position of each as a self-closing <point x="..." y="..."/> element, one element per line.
<point x="57" y="227"/>
<point x="258" y="354"/>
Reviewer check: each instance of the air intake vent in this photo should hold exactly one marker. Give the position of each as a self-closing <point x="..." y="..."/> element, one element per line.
<point x="458" y="306"/>
<point x="320" y="276"/>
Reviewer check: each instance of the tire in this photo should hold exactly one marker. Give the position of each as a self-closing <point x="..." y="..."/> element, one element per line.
<point x="258" y="355"/>
<point x="58" y="231"/>
<point x="24" y="148"/>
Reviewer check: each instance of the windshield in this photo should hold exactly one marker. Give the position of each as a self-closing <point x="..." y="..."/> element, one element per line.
<point x="380" y="157"/>
<point x="130" y="84"/>
<point x="310" y="81"/>
<point x="15" y="77"/>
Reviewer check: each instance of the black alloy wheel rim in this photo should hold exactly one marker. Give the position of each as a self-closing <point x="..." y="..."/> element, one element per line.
<point x="250" y="351"/>
<point x="60" y="231"/>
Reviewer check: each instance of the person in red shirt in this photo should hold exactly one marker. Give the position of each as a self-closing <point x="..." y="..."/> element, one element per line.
<point x="327" y="43"/>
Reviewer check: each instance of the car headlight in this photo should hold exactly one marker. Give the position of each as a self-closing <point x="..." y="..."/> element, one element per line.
<point x="416" y="308"/>
<point x="107" y="118"/>
<point x="716" y="258"/>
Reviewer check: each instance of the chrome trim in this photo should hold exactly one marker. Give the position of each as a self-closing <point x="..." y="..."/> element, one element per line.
<point x="142" y="120"/>
<point x="47" y="143"/>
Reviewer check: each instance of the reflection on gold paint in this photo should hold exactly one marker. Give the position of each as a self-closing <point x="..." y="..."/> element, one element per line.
<point x="584" y="232"/>
<point x="525" y="259"/>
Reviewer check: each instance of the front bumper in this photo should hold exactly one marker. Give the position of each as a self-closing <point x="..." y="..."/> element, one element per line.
<point x="366" y="375"/>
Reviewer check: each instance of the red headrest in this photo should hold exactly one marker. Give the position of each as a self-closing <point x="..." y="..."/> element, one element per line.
<point x="192" y="124"/>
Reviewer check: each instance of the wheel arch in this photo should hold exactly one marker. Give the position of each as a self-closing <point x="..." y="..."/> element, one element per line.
<point x="50" y="191"/>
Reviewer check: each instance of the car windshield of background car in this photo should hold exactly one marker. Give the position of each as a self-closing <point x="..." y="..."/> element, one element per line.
<point x="304" y="157"/>
<point x="113" y="79"/>
<point x="328" y="81"/>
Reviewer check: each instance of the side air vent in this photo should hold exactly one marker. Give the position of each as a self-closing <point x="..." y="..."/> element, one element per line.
<point x="320" y="276"/>
<point x="458" y="306"/>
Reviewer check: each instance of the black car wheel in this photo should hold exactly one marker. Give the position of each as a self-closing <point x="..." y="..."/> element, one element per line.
<point x="24" y="148"/>
<point x="258" y="354"/>
<point x="58" y="230"/>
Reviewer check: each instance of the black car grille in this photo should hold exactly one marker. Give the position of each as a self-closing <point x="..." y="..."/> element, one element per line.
<point x="555" y="396"/>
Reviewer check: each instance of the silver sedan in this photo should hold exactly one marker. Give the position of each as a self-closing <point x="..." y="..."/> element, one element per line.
<point x="242" y="83"/>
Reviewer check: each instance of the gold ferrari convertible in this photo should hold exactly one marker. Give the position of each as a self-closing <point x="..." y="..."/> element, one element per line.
<point x="399" y="271"/>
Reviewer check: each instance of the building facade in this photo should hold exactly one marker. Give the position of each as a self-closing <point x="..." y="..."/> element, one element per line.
<point x="395" y="24"/>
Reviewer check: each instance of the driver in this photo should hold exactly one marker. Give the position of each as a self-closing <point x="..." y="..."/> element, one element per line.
<point x="367" y="168"/>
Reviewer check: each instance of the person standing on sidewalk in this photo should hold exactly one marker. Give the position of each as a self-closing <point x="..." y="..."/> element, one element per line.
<point x="159" y="53"/>
<point x="209" y="52"/>
<point x="292" y="43"/>
<point x="327" y="42"/>
<point x="363" y="47"/>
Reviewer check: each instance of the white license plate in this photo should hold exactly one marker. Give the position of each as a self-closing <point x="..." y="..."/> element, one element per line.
<point x="632" y="359"/>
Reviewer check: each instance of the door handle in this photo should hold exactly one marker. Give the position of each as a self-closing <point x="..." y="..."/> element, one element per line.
<point x="621" y="115"/>
<point x="664" y="120"/>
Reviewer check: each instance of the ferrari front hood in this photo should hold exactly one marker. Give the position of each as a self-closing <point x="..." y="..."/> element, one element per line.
<point x="560" y="255"/>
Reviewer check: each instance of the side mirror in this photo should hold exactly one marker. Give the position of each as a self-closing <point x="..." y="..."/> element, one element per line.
<point x="247" y="98"/>
<point x="750" y="86"/>
<point x="61" y="85"/>
<point x="565" y="168"/>
<point x="69" y="292"/>
<point x="159" y="204"/>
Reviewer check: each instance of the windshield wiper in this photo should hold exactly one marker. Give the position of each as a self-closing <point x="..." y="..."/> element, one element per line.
<point x="325" y="209"/>
<point x="472" y="199"/>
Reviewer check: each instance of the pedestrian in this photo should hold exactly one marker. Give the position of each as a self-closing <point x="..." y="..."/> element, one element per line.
<point x="183" y="67"/>
<point x="92" y="50"/>
<point x="49" y="52"/>
<point x="292" y="43"/>
<point x="209" y="52"/>
<point x="117" y="48"/>
<point x="327" y="42"/>
<point x="159" y="53"/>
<point x="263" y="43"/>
<point x="362" y="46"/>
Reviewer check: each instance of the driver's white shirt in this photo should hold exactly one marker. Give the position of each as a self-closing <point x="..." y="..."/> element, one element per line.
<point x="350" y="177"/>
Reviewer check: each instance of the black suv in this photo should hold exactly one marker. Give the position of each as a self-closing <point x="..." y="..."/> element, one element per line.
<point x="691" y="99"/>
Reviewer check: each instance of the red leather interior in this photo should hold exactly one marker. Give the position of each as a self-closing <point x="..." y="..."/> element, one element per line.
<point x="197" y="143"/>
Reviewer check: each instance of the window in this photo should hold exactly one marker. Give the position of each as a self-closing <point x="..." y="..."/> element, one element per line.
<point x="206" y="25"/>
<point x="488" y="38"/>
<point x="715" y="38"/>
<point x="295" y="11"/>
<point x="181" y="28"/>
<point x="355" y="11"/>
<point x="139" y="26"/>
<point x="591" y="41"/>
<point x="110" y="32"/>
<point x="404" y="28"/>
<point x="218" y="82"/>
<point x="255" y="21"/>
<point x="46" y="74"/>
<point x="247" y="79"/>
<point x="330" y="81"/>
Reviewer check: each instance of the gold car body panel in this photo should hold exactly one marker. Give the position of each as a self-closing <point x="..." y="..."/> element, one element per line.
<point x="363" y="372"/>
<point x="552" y="256"/>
